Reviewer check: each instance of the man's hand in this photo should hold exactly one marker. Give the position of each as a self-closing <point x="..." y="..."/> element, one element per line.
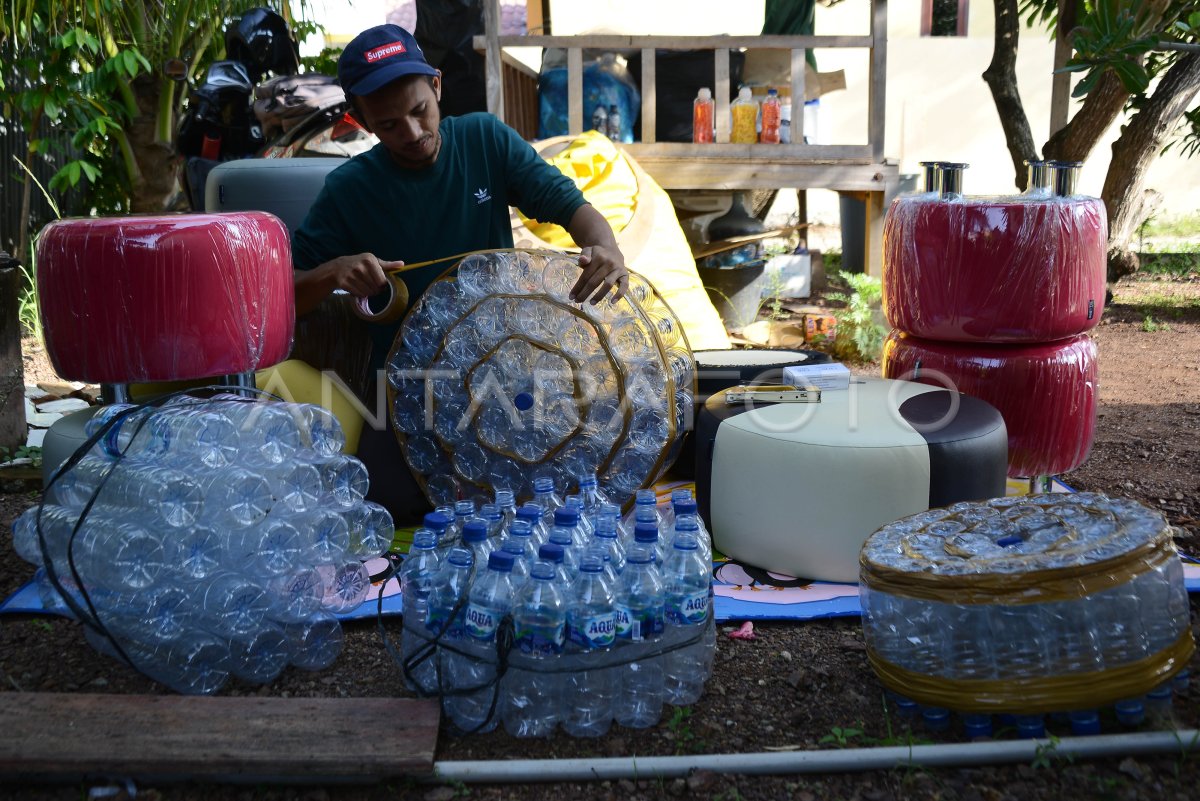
<point x="602" y="269"/>
<point x="362" y="276"/>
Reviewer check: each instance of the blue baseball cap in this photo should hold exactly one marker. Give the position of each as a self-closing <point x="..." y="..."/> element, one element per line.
<point x="378" y="56"/>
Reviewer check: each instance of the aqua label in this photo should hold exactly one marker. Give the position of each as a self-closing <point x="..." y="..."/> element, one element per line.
<point x="688" y="610"/>
<point x="642" y="623"/>
<point x="598" y="631"/>
<point x="482" y="622"/>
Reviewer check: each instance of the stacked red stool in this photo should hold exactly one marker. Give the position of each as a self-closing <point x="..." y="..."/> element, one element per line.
<point x="150" y="299"/>
<point x="993" y="297"/>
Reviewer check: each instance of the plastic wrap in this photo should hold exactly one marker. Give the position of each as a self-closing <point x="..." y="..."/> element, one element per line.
<point x="1025" y="604"/>
<point x="1046" y="392"/>
<point x="497" y="379"/>
<point x="164" y="298"/>
<point x="1029" y="268"/>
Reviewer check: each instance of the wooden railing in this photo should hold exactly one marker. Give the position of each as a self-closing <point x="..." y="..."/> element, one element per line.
<point x="724" y="165"/>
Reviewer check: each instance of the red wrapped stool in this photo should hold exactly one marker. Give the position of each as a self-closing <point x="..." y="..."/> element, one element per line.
<point x="166" y="298"/>
<point x="1046" y="392"/>
<point x="1028" y="268"/>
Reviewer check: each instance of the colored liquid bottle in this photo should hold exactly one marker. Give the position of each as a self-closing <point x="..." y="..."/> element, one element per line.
<point x="770" y="118"/>
<point x="745" y="118"/>
<point x="702" y="116"/>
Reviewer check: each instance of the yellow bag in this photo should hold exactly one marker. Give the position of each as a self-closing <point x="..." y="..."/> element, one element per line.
<point x="643" y="218"/>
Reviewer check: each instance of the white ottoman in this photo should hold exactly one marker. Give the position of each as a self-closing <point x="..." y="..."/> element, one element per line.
<point x="798" y="488"/>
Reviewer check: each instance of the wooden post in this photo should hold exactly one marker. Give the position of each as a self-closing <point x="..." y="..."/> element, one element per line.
<point x="575" y="110"/>
<point x="799" y="93"/>
<point x="1060" y="87"/>
<point x="13" y="430"/>
<point x="649" y="96"/>
<point x="493" y="81"/>
<point x="721" y="93"/>
<point x="876" y="102"/>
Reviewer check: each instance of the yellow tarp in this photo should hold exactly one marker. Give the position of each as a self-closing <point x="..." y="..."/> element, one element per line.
<point x="642" y="217"/>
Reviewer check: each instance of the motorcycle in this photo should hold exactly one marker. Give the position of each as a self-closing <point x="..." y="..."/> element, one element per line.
<point x="235" y="114"/>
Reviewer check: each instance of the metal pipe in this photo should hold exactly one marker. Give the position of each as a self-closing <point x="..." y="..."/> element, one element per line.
<point x="1064" y="175"/>
<point x="952" y="177"/>
<point x="1039" y="175"/>
<point x="932" y="175"/>
<point x="525" y="771"/>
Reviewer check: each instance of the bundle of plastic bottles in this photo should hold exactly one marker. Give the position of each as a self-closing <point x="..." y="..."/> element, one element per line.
<point x="208" y="538"/>
<point x="1056" y="603"/>
<point x="559" y="613"/>
<point x="498" y="378"/>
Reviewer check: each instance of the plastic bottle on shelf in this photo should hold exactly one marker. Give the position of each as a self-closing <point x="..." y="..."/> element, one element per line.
<point x="591" y="631"/>
<point x="771" y="116"/>
<point x="745" y="118"/>
<point x="600" y="119"/>
<point x="686" y="588"/>
<point x="416" y="584"/>
<point x="489" y="600"/>
<point x="785" y="123"/>
<point x="702" y="116"/>
<point x="639" y="618"/>
<point x="531" y="695"/>
<point x="614" y="123"/>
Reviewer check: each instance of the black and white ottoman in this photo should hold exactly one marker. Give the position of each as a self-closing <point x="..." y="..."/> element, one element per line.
<point x="797" y="488"/>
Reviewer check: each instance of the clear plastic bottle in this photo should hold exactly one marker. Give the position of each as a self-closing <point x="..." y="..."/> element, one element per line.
<point x="591" y="497"/>
<point x="296" y="595"/>
<point x="150" y="491"/>
<point x="745" y="118"/>
<point x="507" y="502"/>
<point x="639" y="618"/>
<point x="463" y="511"/>
<point x="233" y="605"/>
<point x="316" y="642"/>
<point x="567" y="519"/>
<point x="686" y="520"/>
<point x="562" y="537"/>
<point x="531" y="693"/>
<point x="667" y="516"/>
<point x="531" y="513"/>
<point x="520" y="552"/>
<point x="702" y="116"/>
<point x="475" y="706"/>
<point x="785" y="123"/>
<point x="475" y="538"/>
<point x="771" y="116"/>
<point x="591" y="631"/>
<point x="491" y="513"/>
<point x="646" y="536"/>
<point x="686" y="588"/>
<point x="600" y="119"/>
<point x="574" y="503"/>
<point x="259" y="656"/>
<point x="416" y="584"/>
<point x="606" y="540"/>
<point x="614" y="123"/>
<point x="545" y="496"/>
<point x="371" y="530"/>
<point x="447" y="611"/>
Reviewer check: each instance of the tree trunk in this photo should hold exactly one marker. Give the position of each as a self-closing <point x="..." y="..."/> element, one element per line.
<point x="1001" y="78"/>
<point x="155" y="179"/>
<point x="1100" y="109"/>
<point x="1139" y="144"/>
<point x="13" y="428"/>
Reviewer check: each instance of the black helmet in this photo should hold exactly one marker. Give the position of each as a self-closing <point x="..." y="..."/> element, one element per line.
<point x="261" y="40"/>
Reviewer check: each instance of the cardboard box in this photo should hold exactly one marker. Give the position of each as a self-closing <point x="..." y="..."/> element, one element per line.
<point x="831" y="376"/>
<point x="820" y="327"/>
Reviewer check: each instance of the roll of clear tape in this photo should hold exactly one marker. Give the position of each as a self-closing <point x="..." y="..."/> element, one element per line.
<point x="393" y="310"/>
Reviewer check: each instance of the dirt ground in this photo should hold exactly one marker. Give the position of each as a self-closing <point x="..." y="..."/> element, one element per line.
<point x="797" y="686"/>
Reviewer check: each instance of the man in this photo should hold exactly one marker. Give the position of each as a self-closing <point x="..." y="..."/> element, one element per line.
<point x="431" y="189"/>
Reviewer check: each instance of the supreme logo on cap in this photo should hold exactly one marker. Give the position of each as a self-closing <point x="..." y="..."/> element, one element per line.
<point x="385" y="51"/>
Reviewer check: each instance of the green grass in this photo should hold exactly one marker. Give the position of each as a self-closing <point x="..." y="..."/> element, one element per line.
<point x="1150" y="325"/>
<point x="1181" y="259"/>
<point x="1175" y="225"/>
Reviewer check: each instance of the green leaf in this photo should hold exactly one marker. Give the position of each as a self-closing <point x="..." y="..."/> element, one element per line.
<point x="73" y="170"/>
<point x="1194" y="20"/>
<point x="131" y="62"/>
<point x="1106" y="15"/>
<point x="1133" y="76"/>
<point x="51" y="108"/>
<point x="1088" y="83"/>
<point x="90" y="171"/>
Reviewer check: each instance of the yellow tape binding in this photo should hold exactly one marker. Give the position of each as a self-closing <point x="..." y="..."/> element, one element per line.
<point x="396" y="306"/>
<point x="1038" y="694"/>
<point x="1032" y="587"/>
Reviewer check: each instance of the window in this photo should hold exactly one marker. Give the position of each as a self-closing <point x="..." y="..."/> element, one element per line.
<point x="944" y="17"/>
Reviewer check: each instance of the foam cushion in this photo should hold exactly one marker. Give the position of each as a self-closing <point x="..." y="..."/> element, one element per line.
<point x="798" y="488"/>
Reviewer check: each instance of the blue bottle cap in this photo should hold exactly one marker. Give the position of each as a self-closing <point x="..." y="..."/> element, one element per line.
<point x="437" y="521"/>
<point x="645" y="532"/>
<point x="566" y="517"/>
<point x="475" y="530"/>
<point x="500" y="560"/>
<point x="551" y="552"/>
<point x="685" y="506"/>
<point x="530" y="511"/>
